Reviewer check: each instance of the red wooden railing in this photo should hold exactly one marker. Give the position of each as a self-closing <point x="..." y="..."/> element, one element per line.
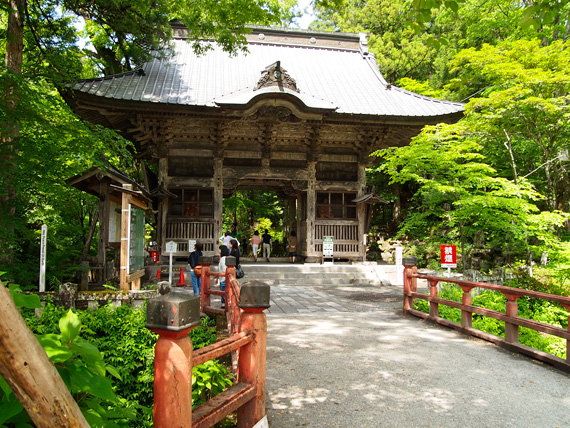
<point x="174" y="357"/>
<point x="510" y="317"/>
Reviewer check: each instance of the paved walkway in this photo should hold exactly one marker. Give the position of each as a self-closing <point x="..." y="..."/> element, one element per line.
<point x="347" y="357"/>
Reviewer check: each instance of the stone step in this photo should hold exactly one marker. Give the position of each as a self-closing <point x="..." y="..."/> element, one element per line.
<point x="298" y="274"/>
<point x="316" y="274"/>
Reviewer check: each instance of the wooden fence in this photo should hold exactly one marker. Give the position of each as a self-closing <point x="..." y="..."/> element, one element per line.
<point x="510" y="317"/>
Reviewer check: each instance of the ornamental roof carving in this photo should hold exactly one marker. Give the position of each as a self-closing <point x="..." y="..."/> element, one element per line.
<point x="275" y="75"/>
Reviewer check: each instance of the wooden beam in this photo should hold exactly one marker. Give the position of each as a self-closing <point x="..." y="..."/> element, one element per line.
<point x="30" y="373"/>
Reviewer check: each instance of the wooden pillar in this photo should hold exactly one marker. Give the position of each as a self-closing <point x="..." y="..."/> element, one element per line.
<point x="410" y="284"/>
<point x="218" y="199"/>
<point x="125" y="214"/>
<point x="433" y="306"/>
<point x="311" y="208"/>
<point x="292" y="214"/>
<point x="254" y="299"/>
<point x="103" y="238"/>
<point x="361" y="211"/>
<point x="298" y="213"/>
<point x="163" y="205"/>
<point x="205" y="262"/>
<point x="512" y="310"/>
<point x="172" y="316"/>
<point x="466" y="316"/>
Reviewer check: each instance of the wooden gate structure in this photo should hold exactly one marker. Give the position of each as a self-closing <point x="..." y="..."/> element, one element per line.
<point x="300" y="114"/>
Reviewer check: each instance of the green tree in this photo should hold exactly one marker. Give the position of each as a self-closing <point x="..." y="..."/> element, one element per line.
<point x="41" y="140"/>
<point x="459" y="195"/>
<point x="417" y="39"/>
<point x="521" y="117"/>
<point x="246" y="207"/>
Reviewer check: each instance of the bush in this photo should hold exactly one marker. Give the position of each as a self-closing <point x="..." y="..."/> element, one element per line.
<point x="125" y="343"/>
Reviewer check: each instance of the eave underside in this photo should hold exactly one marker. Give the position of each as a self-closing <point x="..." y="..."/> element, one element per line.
<point x="156" y="128"/>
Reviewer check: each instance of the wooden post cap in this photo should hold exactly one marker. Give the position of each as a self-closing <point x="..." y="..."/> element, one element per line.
<point x="230" y="261"/>
<point x="410" y="261"/>
<point x="175" y="311"/>
<point x="254" y="294"/>
<point x="206" y="260"/>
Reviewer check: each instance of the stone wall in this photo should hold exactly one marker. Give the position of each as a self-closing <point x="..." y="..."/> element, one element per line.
<point x="68" y="296"/>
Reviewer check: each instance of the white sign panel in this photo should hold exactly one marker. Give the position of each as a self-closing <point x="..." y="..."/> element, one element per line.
<point x="171" y="247"/>
<point x="114" y="222"/>
<point x="262" y="423"/>
<point x="191" y="244"/>
<point x="328" y="245"/>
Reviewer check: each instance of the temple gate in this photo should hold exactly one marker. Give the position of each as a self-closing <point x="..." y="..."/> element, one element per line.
<point x="299" y="114"/>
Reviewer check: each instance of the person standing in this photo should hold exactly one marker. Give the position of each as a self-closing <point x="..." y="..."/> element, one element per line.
<point x="194" y="262"/>
<point x="255" y="241"/>
<point x="267" y="241"/>
<point x="226" y="239"/>
<point x="223" y="252"/>
<point x="234" y="250"/>
<point x="292" y="246"/>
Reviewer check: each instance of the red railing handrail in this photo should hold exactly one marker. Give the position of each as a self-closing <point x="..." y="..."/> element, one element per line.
<point x="510" y="317"/>
<point x="220" y="348"/>
<point x="520" y="292"/>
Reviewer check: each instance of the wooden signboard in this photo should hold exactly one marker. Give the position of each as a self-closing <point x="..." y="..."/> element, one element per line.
<point x="132" y="238"/>
<point x="136" y="239"/>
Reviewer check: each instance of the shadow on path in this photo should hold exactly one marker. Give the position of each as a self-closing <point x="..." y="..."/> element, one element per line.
<point x="374" y="367"/>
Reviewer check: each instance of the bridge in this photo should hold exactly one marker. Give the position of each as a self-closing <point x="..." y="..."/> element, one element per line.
<point x="347" y="356"/>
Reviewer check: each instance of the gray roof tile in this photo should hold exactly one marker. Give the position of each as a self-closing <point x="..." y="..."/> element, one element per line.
<point x="327" y="78"/>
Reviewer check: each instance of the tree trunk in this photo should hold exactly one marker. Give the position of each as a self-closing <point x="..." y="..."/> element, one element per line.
<point x="10" y="130"/>
<point x="30" y="373"/>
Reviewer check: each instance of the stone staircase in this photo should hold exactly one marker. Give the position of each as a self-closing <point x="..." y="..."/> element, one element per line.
<point x="280" y="273"/>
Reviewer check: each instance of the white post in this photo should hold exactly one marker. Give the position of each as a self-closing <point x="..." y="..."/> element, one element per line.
<point x="170" y="271"/>
<point x="43" y="259"/>
<point x="171" y="247"/>
<point x="399" y="266"/>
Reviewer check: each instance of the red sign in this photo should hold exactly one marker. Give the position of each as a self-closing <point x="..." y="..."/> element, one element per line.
<point x="448" y="256"/>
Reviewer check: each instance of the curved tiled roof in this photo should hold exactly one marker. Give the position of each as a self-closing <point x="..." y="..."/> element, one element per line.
<point x="343" y="80"/>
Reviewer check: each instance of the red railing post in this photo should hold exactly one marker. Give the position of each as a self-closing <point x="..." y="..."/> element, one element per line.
<point x="205" y="262"/>
<point x="230" y="273"/>
<point x="512" y="310"/>
<point x="172" y="316"/>
<point x="410" y="284"/>
<point x="568" y="340"/>
<point x="466" y="299"/>
<point x="433" y="306"/>
<point x="254" y="299"/>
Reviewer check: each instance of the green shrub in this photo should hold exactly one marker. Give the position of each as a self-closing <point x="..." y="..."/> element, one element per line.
<point x="126" y="344"/>
<point x="208" y="380"/>
<point x="83" y="369"/>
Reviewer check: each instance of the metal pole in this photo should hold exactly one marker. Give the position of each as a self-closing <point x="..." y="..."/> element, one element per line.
<point x="43" y="259"/>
